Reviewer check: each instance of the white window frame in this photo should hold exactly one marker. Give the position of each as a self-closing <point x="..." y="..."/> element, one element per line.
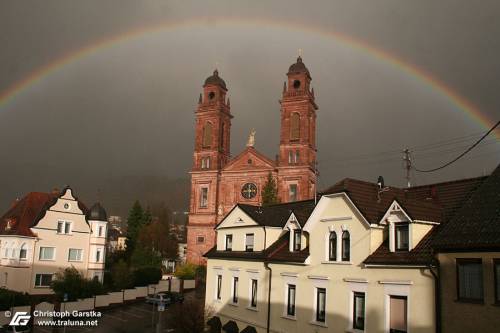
<point x="47" y="247"/>
<point x="327" y="246"/>
<point x="76" y="260"/>
<point x="287" y="300"/>
<point x="250" y="295"/>
<point x="233" y="290"/>
<point x="247" y="243"/>
<point x="64" y="224"/>
<point x="101" y="255"/>
<point x="226" y="238"/>
<point x="25" y="248"/>
<point x="318" y="282"/>
<point x="203" y="199"/>
<point x="356" y="287"/>
<point x="218" y="291"/>
<point x="396" y="289"/>
<point x="315" y="315"/>
<point x="289" y="279"/>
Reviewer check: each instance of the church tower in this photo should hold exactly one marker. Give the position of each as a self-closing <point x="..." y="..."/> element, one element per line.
<point x="211" y="154"/>
<point x="297" y="155"/>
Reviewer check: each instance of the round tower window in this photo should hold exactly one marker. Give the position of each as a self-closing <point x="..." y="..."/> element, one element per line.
<point x="66" y="206"/>
<point x="211" y="95"/>
<point x="296" y="84"/>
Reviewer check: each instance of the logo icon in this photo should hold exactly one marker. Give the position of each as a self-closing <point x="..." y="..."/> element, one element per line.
<point x="20" y="319"/>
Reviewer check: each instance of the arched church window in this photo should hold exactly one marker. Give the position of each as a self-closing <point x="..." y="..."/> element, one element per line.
<point x="207" y="135"/>
<point x="294" y="126"/>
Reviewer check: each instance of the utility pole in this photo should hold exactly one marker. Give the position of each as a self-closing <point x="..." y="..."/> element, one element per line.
<point x="407" y="166"/>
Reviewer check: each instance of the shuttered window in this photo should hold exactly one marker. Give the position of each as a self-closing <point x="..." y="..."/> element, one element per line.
<point x="398" y="314"/>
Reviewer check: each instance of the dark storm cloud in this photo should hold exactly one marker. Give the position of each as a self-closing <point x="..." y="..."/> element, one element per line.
<point x="121" y="120"/>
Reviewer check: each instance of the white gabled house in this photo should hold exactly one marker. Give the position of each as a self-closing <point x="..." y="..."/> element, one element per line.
<point x="358" y="260"/>
<point x="45" y="232"/>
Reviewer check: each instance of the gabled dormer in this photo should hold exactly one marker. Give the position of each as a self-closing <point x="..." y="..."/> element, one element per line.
<point x="404" y="232"/>
<point x="297" y="237"/>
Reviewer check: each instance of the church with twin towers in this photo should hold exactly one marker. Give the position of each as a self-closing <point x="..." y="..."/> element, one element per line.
<point x="219" y="181"/>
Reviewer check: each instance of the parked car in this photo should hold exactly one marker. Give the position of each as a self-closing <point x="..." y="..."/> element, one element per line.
<point x="175" y="296"/>
<point x="159" y="298"/>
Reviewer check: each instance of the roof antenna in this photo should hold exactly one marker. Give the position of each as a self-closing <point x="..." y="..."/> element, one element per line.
<point x="381" y="188"/>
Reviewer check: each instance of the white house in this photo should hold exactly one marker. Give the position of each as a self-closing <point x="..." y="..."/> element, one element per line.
<point x="45" y="232"/>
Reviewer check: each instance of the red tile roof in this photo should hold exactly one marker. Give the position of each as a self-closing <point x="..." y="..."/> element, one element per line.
<point x="25" y="213"/>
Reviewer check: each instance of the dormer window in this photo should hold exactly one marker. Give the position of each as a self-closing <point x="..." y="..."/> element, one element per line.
<point x="249" y="239"/>
<point x="402" y="237"/>
<point x="296" y="239"/>
<point x="229" y="242"/>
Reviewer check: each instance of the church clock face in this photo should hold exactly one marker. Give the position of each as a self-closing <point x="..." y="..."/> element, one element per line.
<point x="249" y="190"/>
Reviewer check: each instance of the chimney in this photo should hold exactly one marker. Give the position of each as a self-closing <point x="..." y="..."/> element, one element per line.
<point x="55" y="191"/>
<point x="380" y="182"/>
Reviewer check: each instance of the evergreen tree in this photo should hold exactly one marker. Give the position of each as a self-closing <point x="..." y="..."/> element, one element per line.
<point x="135" y="222"/>
<point x="270" y="191"/>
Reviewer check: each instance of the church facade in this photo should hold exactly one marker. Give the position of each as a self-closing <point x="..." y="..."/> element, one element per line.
<point x="218" y="182"/>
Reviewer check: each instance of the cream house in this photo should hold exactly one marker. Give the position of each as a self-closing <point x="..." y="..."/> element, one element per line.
<point x="358" y="260"/>
<point x="44" y="232"/>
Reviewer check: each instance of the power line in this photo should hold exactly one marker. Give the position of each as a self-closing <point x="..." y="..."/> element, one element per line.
<point x="463" y="154"/>
<point x="419" y="148"/>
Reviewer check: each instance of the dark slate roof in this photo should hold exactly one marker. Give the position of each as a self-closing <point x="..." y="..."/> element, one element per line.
<point x="215" y="79"/>
<point x="97" y="213"/>
<point x="420" y="255"/>
<point x="476" y="225"/>
<point x="434" y="202"/>
<point x="277" y="215"/>
<point x="447" y="197"/>
<point x="298" y="68"/>
<point x="277" y="252"/>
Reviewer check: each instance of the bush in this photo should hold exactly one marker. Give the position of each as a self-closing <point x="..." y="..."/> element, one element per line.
<point x="186" y="271"/>
<point x="71" y="282"/>
<point x="121" y="277"/>
<point x="147" y="275"/>
<point x="10" y="298"/>
<point x="191" y="316"/>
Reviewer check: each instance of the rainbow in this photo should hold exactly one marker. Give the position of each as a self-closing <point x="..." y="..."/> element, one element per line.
<point x="419" y="74"/>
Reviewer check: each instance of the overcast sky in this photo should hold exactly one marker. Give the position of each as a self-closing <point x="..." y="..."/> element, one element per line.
<point x="124" y="113"/>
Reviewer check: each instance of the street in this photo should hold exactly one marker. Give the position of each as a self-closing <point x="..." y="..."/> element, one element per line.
<point x="132" y="317"/>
